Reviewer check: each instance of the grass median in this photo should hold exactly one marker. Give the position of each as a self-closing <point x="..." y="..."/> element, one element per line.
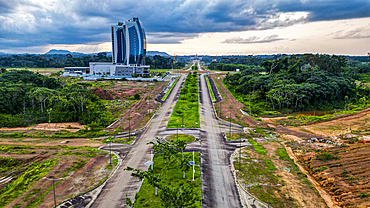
<point x="171" y="176"/>
<point x="210" y="89"/>
<point x="186" y="112"/>
<point x="168" y="92"/>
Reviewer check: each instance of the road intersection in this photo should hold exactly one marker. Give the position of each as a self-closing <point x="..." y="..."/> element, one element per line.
<point x="218" y="183"/>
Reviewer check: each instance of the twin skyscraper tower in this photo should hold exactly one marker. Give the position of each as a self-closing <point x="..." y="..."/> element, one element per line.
<point x="128" y="43"/>
<point x="128" y="52"/>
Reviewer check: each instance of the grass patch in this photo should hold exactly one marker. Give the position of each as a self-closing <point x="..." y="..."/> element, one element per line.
<point x="186" y="111"/>
<point x="168" y="92"/>
<point x="181" y="137"/>
<point x="282" y="154"/>
<point x="170" y="176"/>
<point x="269" y="165"/>
<point x="210" y="89"/>
<point x="326" y="156"/>
<point x="235" y="136"/>
<point x="257" y="147"/>
<point x="33" y="174"/>
<point x="82" y="133"/>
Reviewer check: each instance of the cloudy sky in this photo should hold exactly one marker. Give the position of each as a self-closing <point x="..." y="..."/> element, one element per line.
<point x="213" y="27"/>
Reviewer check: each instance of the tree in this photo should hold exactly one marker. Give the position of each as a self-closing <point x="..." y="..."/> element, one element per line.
<point x="178" y="197"/>
<point x="42" y="94"/>
<point x="137" y="96"/>
<point x="2" y="71"/>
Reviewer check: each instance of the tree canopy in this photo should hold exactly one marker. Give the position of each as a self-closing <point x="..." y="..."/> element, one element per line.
<point x="298" y="83"/>
<point x="25" y="96"/>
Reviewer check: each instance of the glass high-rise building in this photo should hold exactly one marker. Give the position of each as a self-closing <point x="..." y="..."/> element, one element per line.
<point x="128" y="43"/>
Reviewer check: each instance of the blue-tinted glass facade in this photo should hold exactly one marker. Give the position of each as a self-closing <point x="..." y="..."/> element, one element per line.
<point x="129" y="43"/>
<point x="121" y="45"/>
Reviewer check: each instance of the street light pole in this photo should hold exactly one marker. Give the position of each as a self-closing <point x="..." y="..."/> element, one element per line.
<point x="129" y="125"/>
<point x="53" y="179"/>
<point x="193" y="165"/>
<point x="220" y="110"/>
<point x="277" y="185"/>
<point x="149" y="107"/>
<point x="110" y="152"/>
<point x="240" y="151"/>
<point x="230" y="123"/>
<point x="177" y="130"/>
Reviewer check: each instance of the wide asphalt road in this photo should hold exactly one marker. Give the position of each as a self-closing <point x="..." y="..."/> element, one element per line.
<point x="114" y="192"/>
<point x="218" y="185"/>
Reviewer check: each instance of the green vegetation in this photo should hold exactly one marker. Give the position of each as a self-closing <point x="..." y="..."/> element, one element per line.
<point x="34" y="172"/>
<point x="326" y="156"/>
<point x="82" y="133"/>
<point x="235" y="136"/>
<point x="40" y="198"/>
<point x="363" y="195"/>
<point x="195" y="67"/>
<point x="170" y="173"/>
<point x="282" y="154"/>
<point x="28" y="98"/>
<point x="181" y="137"/>
<point x="210" y="89"/>
<point x="257" y="146"/>
<point x="171" y="176"/>
<point x="60" y="61"/>
<point x="168" y="92"/>
<point x="160" y="62"/>
<point x="299" y="83"/>
<point x="269" y="165"/>
<point x="186" y="111"/>
<point x="7" y="163"/>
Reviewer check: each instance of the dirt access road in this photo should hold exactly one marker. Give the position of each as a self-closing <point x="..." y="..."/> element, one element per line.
<point x="115" y="190"/>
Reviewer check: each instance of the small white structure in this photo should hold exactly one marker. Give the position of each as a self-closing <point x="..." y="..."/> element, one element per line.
<point x="75" y="71"/>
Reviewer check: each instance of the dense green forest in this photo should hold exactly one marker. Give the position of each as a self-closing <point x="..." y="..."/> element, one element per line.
<point x="27" y="98"/>
<point x="60" y="61"/>
<point x="299" y="83"/>
<point x="233" y="63"/>
<point x="160" y="62"/>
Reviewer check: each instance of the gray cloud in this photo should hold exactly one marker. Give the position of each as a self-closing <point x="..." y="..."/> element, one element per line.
<point x="356" y="33"/>
<point x="252" y="39"/>
<point x="23" y="23"/>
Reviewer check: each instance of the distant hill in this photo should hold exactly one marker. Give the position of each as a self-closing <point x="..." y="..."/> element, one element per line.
<point x="153" y="53"/>
<point x="54" y="51"/>
<point x="65" y="52"/>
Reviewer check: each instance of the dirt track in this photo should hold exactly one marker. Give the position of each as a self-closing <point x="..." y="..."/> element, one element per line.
<point x="229" y="100"/>
<point x="139" y="112"/>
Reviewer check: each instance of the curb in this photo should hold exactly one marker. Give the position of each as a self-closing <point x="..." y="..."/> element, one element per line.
<point x="239" y="185"/>
<point x="172" y="83"/>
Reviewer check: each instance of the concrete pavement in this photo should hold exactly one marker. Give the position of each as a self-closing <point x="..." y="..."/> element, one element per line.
<point x="218" y="185"/>
<point x="114" y="192"/>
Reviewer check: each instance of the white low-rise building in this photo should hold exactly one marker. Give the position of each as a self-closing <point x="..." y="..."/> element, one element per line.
<point x="109" y="69"/>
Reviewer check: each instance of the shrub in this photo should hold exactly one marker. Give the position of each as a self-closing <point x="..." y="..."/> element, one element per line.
<point x="137" y="96"/>
<point x="326" y="156"/>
